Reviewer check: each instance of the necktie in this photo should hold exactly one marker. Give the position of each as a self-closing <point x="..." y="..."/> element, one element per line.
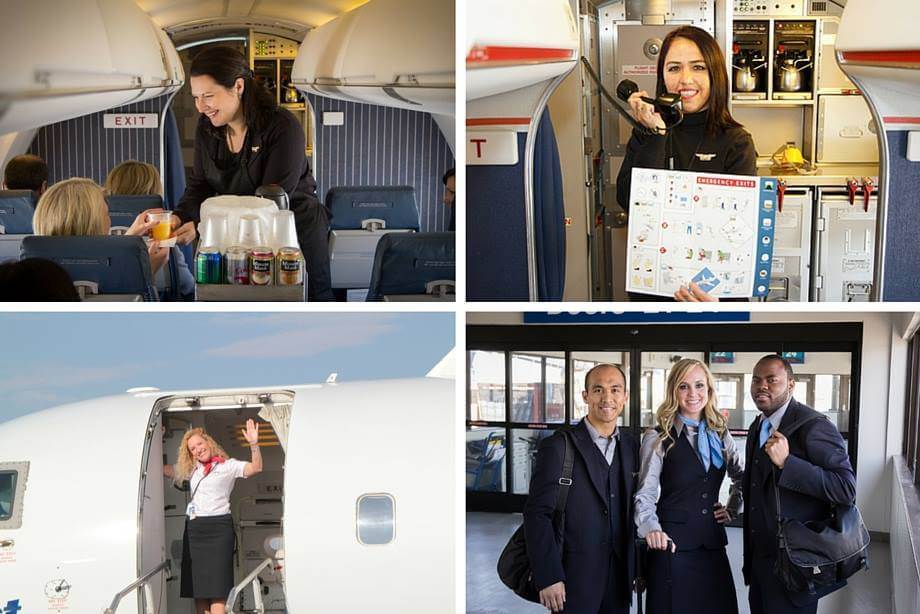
<point x="766" y="428"/>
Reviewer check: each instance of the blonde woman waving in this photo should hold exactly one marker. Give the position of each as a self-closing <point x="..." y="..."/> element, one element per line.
<point x="207" y="545"/>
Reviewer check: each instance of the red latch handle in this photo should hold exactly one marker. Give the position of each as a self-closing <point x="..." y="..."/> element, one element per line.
<point x="867" y="192"/>
<point x="852" y="187"/>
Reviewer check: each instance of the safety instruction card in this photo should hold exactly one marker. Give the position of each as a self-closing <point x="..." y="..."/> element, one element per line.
<point x="715" y="230"/>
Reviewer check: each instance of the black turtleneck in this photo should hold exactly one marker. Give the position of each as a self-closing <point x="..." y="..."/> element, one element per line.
<point x="692" y="149"/>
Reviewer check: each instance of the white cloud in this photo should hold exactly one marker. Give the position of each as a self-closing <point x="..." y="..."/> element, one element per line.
<point x="299" y="341"/>
<point x="299" y="320"/>
<point x="51" y="376"/>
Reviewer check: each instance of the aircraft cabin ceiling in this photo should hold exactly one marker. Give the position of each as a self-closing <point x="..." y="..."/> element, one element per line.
<point x="188" y="20"/>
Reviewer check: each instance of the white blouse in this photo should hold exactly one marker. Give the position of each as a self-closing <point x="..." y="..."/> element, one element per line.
<point x="212" y="492"/>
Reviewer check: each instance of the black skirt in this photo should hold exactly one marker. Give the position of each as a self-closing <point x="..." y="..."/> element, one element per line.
<point x="207" y="557"/>
<point x="689" y="582"/>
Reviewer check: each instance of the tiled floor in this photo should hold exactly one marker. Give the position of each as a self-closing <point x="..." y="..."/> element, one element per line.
<point x="868" y="592"/>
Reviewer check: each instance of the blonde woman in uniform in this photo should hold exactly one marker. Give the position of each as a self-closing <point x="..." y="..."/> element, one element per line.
<point x="207" y="545"/>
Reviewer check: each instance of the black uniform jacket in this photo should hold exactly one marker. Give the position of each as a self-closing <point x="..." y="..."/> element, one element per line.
<point x="693" y="149"/>
<point x="816" y="475"/>
<point x="588" y="544"/>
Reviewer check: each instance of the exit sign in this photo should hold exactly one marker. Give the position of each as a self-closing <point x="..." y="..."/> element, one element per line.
<point x="130" y="120"/>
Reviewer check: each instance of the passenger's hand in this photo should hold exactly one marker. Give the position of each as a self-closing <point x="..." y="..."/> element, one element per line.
<point x="694" y="294"/>
<point x="158" y="256"/>
<point x="168" y="471"/>
<point x="720" y="513"/>
<point x="185" y="233"/>
<point x="644" y="113"/>
<point x="777" y="448"/>
<point x="553" y="597"/>
<point x="141" y="226"/>
<point x="251" y="432"/>
<point x="659" y="540"/>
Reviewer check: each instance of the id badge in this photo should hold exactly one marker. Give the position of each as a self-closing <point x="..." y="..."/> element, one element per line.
<point x="190" y="511"/>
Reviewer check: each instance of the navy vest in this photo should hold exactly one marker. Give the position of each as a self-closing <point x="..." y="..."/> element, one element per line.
<point x="616" y="497"/>
<point x="688" y="493"/>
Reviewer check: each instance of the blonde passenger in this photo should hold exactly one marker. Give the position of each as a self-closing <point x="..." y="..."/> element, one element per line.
<point x="76" y="207"/>
<point x="133" y="177"/>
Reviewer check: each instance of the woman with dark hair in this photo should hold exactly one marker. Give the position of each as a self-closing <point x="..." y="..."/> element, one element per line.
<point x="708" y="140"/>
<point x="245" y="140"/>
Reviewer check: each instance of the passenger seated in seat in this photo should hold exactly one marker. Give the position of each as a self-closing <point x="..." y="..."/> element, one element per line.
<point x="35" y="279"/>
<point x="450" y="197"/>
<point x="76" y="207"/>
<point x="26" y="172"/>
<point x="139" y="178"/>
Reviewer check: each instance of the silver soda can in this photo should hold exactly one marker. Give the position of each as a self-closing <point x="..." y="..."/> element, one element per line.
<point x="237" y="260"/>
<point x="290" y="267"/>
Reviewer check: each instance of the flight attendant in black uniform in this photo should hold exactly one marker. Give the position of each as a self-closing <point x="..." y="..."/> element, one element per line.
<point x="245" y="140"/>
<point x="708" y="140"/>
<point x="683" y="463"/>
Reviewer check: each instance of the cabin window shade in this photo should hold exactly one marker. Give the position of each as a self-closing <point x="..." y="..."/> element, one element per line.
<point x="13" y="478"/>
<point x="376" y="519"/>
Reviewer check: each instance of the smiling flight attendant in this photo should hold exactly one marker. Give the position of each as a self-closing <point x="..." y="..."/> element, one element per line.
<point x="708" y="140"/>
<point x="207" y="545"/>
<point x="245" y="140"/>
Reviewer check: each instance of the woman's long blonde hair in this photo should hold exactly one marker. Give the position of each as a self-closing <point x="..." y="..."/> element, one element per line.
<point x="74" y="207"/>
<point x="133" y="177"/>
<point x="185" y="466"/>
<point x="668" y="410"/>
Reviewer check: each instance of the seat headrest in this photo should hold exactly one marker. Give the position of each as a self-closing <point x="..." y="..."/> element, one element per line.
<point x="16" y="210"/>
<point x="350" y="205"/>
<point x="119" y="265"/>
<point x="123" y="208"/>
<point x="405" y="262"/>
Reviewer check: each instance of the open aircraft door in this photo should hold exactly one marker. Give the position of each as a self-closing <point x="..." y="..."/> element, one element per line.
<point x="95" y="499"/>
<point x="369" y="498"/>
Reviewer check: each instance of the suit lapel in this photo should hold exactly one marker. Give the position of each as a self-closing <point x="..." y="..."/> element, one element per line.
<point x="584" y="446"/>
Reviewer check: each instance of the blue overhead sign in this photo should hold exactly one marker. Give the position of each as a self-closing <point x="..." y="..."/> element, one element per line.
<point x="615" y="317"/>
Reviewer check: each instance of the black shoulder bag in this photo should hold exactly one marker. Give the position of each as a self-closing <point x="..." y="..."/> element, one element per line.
<point x="819" y="553"/>
<point x="513" y="565"/>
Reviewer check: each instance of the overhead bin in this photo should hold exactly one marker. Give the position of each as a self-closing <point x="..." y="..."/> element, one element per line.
<point x="395" y="53"/>
<point x="514" y="44"/>
<point x="67" y="59"/>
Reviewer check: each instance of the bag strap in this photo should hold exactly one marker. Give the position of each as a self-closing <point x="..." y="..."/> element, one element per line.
<point x="795" y="427"/>
<point x="565" y="480"/>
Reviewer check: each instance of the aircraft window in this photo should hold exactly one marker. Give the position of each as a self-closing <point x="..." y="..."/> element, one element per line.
<point x="376" y="519"/>
<point x="7" y="490"/>
<point x="12" y="486"/>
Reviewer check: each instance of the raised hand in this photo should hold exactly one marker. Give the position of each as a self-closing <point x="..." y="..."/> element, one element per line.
<point x="251" y="432"/>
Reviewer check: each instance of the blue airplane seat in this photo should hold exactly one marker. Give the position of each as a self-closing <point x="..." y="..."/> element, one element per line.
<point x="361" y="215"/>
<point x="114" y="265"/>
<point x="16" y="210"/>
<point x="407" y="264"/>
<point x="123" y="208"/>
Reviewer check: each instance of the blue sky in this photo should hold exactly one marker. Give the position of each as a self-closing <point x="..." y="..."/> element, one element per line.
<point x="48" y="359"/>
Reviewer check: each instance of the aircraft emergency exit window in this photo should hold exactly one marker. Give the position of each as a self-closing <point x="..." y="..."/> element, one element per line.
<point x="7" y="493"/>
<point x="376" y="519"/>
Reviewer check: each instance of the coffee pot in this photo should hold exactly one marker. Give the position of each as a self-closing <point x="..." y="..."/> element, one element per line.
<point x="746" y="73"/>
<point x="789" y="69"/>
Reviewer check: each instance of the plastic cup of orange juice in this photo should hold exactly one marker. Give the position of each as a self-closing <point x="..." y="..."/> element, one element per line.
<point x="163" y="227"/>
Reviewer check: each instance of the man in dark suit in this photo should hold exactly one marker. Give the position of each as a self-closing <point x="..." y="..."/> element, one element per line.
<point x="812" y="471"/>
<point x="592" y="571"/>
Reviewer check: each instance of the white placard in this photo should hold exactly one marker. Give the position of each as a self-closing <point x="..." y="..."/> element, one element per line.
<point x="130" y="120"/>
<point x="333" y="118"/>
<point x="715" y="230"/>
<point x="638" y="70"/>
<point x="496" y="148"/>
